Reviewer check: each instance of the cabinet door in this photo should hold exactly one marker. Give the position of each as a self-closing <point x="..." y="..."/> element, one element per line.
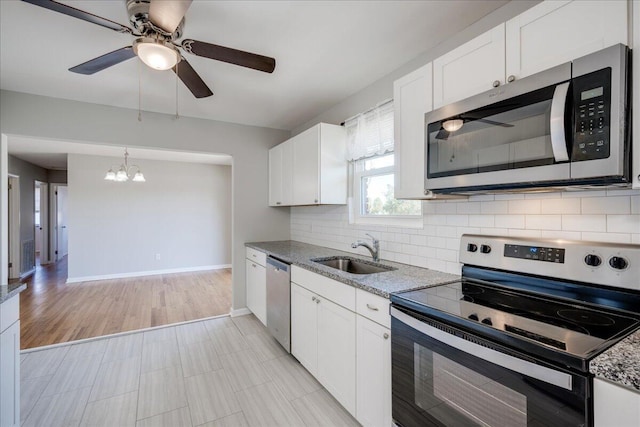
<point x="306" y="164"/>
<point x="554" y="32"/>
<point x="412" y="98"/>
<point x="469" y="69"/>
<point x="275" y="176"/>
<point x="615" y="406"/>
<point x="373" y="374"/>
<point x="257" y="290"/>
<point x="304" y="328"/>
<point x="10" y="376"/>
<point x="337" y="352"/>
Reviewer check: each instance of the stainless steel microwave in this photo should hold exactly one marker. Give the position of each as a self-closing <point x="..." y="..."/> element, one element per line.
<point x="566" y="126"/>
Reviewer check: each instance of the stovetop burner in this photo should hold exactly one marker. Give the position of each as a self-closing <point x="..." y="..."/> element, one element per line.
<point x="586" y="317"/>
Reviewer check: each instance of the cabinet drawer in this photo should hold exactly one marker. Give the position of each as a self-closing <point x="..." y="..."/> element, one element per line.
<point x="257" y="256"/>
<point x="373" y="307"/>
<point x="9" y="312"/>
<point x="335" y="291"/>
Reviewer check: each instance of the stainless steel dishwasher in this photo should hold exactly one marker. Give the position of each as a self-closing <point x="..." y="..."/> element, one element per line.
<point x="279" y="301"/>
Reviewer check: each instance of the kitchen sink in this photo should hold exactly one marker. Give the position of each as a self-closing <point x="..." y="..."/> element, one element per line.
<point x="353" y="266"/>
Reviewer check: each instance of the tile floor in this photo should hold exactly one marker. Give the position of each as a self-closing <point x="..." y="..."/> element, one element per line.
<point x="218" y="372"/>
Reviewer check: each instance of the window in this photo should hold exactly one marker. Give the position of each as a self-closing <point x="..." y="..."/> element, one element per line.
<point x="370" y="137"/>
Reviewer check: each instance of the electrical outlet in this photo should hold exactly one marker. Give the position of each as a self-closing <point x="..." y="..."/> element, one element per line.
<point x="157" y="257"/>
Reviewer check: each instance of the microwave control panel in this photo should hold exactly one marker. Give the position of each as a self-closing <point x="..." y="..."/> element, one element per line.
<point x="592" y="101"/>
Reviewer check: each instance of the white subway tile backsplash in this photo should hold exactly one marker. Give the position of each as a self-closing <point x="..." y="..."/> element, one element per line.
<point x="623" y="223"/>
<point x="543" y="222"/>
<point x="612" y="216"/>
<point x="529" y="207"/>
<point x="495" y="207"/>
<point x="584" y="222"/>
<point x="560" y="206"/>
<point x="606" y="205"/>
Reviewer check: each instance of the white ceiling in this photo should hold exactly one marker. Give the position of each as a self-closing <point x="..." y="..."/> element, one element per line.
<point x="325" y="51"/>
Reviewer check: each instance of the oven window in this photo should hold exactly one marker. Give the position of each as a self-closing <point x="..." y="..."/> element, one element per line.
<point x="442" y="384"/>
<point x="513" y="133"/>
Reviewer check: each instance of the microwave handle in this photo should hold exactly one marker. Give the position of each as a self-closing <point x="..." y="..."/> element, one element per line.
<point x="558" y="141"/>
<point x="524" y="367"/>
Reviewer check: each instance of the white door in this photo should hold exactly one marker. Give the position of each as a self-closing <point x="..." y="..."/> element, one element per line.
<point x="304" y="328"/>
<point x="554" y="32"/>
<point x="337" y="352"/>
<point x="373" y="374"/>
<point x="275" y="176"/>
<point x="44" y="223"/>
<point x="62" y="246"/>
<point x="469" y="69"/>
<point x="412" y="98"/>
<point x="14" y="227"/>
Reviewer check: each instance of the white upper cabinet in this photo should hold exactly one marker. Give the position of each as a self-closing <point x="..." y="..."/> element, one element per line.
<point x="412" y="98"/>
<point x="554" y="32"/>
<point x="636" y="96"/>
<point x="549" y="34"/>
<point x="472" y="68"/>
<point x="310" y="168"/>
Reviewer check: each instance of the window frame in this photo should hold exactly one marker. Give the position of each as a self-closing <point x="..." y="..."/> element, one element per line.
<point x="359" y="173"/>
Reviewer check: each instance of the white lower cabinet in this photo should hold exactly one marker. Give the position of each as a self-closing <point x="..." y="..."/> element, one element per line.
<point x="10" y="363"/>
<point x="304" y="328"/>
<point x="373" y="374"/>
<point x="615" y="406"/>
<point x="256" y="276"/>
<point x="337" y="352"/>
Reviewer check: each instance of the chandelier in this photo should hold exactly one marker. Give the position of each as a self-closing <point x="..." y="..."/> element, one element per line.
<point x="124" y="173"/>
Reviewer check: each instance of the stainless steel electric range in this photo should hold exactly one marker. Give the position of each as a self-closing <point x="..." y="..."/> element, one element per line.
<point x="510" y="343"/>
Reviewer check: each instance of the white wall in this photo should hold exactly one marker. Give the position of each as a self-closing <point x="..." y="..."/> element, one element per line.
<point x="252" y="219"/>
<point x="608" y="216"/>
<point x="182" y="212"/>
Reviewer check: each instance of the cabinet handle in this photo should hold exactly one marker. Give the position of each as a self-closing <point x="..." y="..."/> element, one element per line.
<point x="511" y="78"/>
<point x="253" y="255"/>
<point x="313" y="298"/>
<point x="315" y="201"/>
<point x="385" y="336"/>
<point x="277" y="203"/>
<point x="370" y="307"/>
<point x="496" y="83"/>
<point x="317" y="300"/>
<point x="253" y="265"/>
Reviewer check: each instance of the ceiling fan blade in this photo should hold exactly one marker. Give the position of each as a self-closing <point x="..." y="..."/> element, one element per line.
<point x="443" y="134"/>
<point x="491" y="122"/>
<point x="191" y="79"/>
<point x="167" y="14"/>
<point x="104" y="61"/>
<point x="232" y="56"/>
<point x="80" y="14"/>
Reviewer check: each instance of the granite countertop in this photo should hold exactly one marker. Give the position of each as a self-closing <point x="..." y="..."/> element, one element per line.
<point x="406" y="277"/>
<point x="8" y="291"/>
<point x="621" y="363"/>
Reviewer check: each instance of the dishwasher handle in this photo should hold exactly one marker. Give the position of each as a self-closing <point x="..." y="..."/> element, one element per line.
<point x="276" y="264"/>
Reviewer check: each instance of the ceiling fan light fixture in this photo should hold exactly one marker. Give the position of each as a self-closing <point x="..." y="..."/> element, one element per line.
<point x="156" y="54"/>
<point x="452" y="125"/>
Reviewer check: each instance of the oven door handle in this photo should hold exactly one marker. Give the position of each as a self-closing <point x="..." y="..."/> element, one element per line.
<point x="556" y="123"/>
<point x="542" y="373"/>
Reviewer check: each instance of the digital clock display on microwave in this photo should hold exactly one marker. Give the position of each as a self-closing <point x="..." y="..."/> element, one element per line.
<point x="535" y="253"/>
<point x="592" y="93"/>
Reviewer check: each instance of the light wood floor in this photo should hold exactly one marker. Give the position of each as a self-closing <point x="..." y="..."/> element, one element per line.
<point x="53" y="312"/>
<point x="213" y="373"/>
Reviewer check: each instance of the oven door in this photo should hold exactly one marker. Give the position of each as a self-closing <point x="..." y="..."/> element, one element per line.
<point x="442" y="376"/>
<point x="509" y="137"/>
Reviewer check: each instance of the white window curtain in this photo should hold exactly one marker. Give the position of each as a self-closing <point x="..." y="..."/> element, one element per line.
<point x="370" y="133"/>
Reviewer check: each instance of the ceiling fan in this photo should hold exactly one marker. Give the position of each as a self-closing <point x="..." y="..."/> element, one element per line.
<point x="157" y="27"/>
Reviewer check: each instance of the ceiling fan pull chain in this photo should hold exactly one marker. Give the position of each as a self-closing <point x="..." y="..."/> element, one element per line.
<point x="139" y="91"/>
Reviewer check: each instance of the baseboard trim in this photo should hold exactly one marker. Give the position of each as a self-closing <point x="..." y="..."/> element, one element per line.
<point x="235" y="312"/>
<point x="117" y="334"/>
<point x="146" y="273"/>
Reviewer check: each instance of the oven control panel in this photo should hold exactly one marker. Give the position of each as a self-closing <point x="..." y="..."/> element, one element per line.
<point x="607" y="264"/>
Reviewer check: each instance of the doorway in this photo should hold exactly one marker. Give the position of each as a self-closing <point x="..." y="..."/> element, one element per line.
<point x="41" y="221"/>
<point x="58" y="215"/>
<point x="14" y="226"/>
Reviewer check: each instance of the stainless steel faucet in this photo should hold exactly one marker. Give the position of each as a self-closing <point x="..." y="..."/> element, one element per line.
<point x="374" y="249"/>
